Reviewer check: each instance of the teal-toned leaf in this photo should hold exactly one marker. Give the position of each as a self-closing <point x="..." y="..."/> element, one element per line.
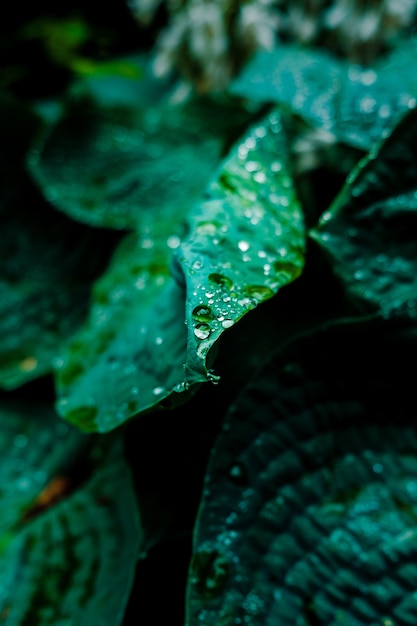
<point x="129" y="357"/>
<point x="368" y="235"/>
<point x="69" y="524"/>
<point x="47" y="263"/>
<point x="245" y="241"/>
<point x="310" y="500"/>
<point x="123" y="154"/>
<point x="357" y="104"/>
<point x="135" y="353"/>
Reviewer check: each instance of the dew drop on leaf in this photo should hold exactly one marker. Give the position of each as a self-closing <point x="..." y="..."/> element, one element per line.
<point x="202" y="331"/>
<point x="221" y="280"/>
<point x="202" y="313"/>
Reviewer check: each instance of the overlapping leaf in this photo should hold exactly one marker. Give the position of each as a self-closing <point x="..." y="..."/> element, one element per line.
<point x="309" y="507"/>
<point x="48" y="261"/>
<point x="123" y="154"/>
<point x="358" y="104"/>
<point x="368" y="235"/>
<point x="69" y="527"/>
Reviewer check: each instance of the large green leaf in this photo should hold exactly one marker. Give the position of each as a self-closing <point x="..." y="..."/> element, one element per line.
<point x="369" y="233"/>
<point x="123" y="154"/>
<point x="310" y="501"/>
<point x="245" y="241"/>
<point x="69" y="524"/>
<point x="130" y="354"/>
<point x="242" y="245"/>
<point x="358" y="104"/>
<point x="48" y="261"/>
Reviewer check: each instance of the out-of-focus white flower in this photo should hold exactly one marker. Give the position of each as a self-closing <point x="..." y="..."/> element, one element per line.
<point x="208" y="41"/>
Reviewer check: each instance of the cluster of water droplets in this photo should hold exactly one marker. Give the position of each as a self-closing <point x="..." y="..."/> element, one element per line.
<point x="247" y="239"/>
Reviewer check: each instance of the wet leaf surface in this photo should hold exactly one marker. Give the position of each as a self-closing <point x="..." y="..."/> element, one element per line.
<point x="245" y="242"/>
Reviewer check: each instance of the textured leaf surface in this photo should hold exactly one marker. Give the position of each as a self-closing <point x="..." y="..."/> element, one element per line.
<point x="123" y="154"/>
<point x="368" y="234"/>
<point x="358" y="104"/>
<point x="245" y="242"/>
<point x="308" y="513"/>
<point x="47" y="266"/>
<point x="69" y="528"/>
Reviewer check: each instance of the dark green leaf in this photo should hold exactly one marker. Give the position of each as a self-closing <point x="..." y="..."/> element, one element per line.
<point x="48" y="262"/>
<point x="310" y="500"/>
<point x="69" y="527"/>
<point x="368" y="235"/>
<point x="245" y="242"/>
<point x="357" y="104"/>
<point x="125" y="155"/>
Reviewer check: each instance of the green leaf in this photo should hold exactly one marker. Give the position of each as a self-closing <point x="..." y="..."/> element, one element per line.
<point x="48" y="261"/>
<point x="357" y="104"/>
<point x="69" y="527"/>
<point x="368" y="235"/>
<point x="125" y="154"/>
<point x="245" y="241"/>
<point x="310" y="500"/>
<point x="129" y="356"/>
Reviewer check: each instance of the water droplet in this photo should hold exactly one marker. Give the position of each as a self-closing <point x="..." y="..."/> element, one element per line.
<point x="173" y="242"/>
<point x="221" y="279"/>
<point x="157" y="391"/>
<point x="378" y="468"/>
<point x="259" y="177"/>
<point x="259" y="292"/>
<point x="252" y="166"/>
<point x="238" y="473"/>
<point x="243" y="246"/>
<point x="197" y="264"/>
<point x="227" y="323"/>
<point x="202" y="331"/>
<point x="202" y="313"/>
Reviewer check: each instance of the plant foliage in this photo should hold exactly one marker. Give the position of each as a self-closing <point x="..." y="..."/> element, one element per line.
<point x="208" y="323"/>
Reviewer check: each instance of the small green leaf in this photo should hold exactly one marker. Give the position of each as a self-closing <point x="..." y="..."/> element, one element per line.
<point x="357" y="104"/>
<point x="368" y="235"/>
<point x="123" y="154"/>
<point x="69" y="527"/>
<point x="244" y="242"/>
<point x="310" y="500"/>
